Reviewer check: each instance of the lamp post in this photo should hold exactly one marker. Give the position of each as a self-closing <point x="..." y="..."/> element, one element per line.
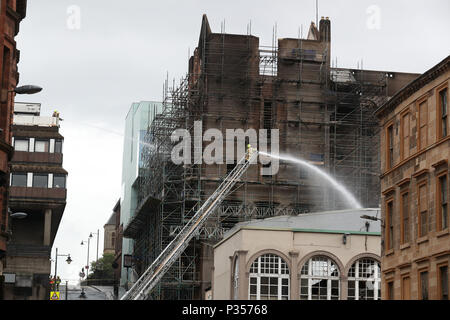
<point x="87" y="259"/>
<point x="366" y="217"/>
<point x="98" y="236"/>
<point x="68" y="260"/>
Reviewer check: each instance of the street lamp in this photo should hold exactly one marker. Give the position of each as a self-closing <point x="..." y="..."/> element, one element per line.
<point x="28" y="89"/>
<point x="98" y="236"/>
<point x="87" y="260"/>
<point x="18" y="215"/>
<point x="68" y="260"/>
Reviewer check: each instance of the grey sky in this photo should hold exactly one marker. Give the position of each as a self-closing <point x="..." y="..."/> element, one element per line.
<point x="124" y="49"/>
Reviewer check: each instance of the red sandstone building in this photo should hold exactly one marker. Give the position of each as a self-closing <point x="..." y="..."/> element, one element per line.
<point x="415" y="150"/>
<point x="11" y="14"/>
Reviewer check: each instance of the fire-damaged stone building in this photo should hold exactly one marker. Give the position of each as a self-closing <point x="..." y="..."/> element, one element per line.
<point x="324" y="114"/>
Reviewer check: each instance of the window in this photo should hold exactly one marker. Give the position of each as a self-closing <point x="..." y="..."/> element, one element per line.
<point x="390" y="290"/>
<point x="58" y="146"/>
<point x="443" y="127"/>
<point x="113" y="239"/>
<point x="319" y="279"/>
<point x="59" y="181"/>
<point x="40" y="180"/>
<point x="443" y="282"/>
<point x="423" y="123"/>
<point x="423" y="285"/>
<point x="21" y="144"/>
<point x="364" y="280"/>
<point x="442" y="218"/>
<point x="269" y="278"/>
<point x="19" y="180"/>
<point x="41" y="146"/>
<point x="390" y="147"/>
<point x="406" y="287"/>
<point x="389" y="229"/>
<point x="423" y="210"/>
<point x="405" y="130"/>
<point x="404" y="231"/>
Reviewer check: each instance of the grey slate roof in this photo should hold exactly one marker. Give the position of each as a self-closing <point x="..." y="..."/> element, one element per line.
<point x="112" y="219"/>
<point x="340" y="221"/>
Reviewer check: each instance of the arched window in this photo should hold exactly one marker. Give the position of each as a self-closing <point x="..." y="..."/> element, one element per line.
<point x="319" y="279"/>
<point x="269" y="278"/>
<point x="364" y="280"/>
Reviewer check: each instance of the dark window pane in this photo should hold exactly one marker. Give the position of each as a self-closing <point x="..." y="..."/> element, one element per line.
<point x="58" y="146"/>
<point x="59" y="181"/>
<point x="40" y="180"/>
<point x="264" y="289"/>
<point x="443" y="276"/>
<point x="424" y="285"/>
<point x="19" y="180"/>
<point x="273" y="290"/>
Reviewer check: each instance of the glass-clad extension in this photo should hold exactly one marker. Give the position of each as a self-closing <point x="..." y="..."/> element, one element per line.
<point x="137" y="121"/>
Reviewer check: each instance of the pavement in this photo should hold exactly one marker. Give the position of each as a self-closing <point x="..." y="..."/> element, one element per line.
<point x="90" y="293"/>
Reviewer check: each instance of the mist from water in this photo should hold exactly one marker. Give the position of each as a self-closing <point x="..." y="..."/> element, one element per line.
<point x="336" y="185"/>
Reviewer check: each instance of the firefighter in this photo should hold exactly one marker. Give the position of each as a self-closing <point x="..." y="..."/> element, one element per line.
<point x="52" y="282"/>
<point x="247" y="154"/>
<point x="58" y="281"/>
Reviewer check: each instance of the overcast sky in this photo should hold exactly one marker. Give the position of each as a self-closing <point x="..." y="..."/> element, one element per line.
<point x="122" y="51"/>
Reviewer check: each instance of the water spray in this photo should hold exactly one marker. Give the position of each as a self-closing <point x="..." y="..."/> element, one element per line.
<point x="336" y="185"/>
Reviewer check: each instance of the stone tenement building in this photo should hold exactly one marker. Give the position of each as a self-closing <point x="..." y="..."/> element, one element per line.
<point x="38" y="189"/>
<point x="324" y="115"/>
<point x="415" y="149"/>
<point x="12" y="12"/>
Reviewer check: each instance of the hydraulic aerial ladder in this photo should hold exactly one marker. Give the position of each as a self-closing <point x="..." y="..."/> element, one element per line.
<point x="172" y="252"/>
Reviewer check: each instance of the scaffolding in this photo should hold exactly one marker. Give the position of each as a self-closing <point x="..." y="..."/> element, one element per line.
<point x="324" y="115"/>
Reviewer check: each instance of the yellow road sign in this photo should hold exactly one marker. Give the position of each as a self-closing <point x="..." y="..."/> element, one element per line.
<point x="54" y="295"/>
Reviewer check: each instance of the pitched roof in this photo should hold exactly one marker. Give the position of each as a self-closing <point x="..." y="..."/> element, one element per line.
<point x="112" y="219"/>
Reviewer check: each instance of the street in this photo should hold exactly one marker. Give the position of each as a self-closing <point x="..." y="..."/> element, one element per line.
<point x="90" y="293"/>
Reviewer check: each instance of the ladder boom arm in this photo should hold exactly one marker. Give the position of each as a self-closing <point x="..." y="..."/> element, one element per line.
<point x="176" y="247"/>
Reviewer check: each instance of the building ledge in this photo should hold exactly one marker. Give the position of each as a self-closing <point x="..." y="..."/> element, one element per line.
<point x="443" y="233"/>
<point x="422" y="239"/>
<point x="32" y="194"/>
<point x="138" y="221"/>
<point x="30" y="158"/>
<point x="440" y="163"/>
<point x="403" y="182"/>
<point x="405" y="246"/>
<point x="420" y="173"/>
